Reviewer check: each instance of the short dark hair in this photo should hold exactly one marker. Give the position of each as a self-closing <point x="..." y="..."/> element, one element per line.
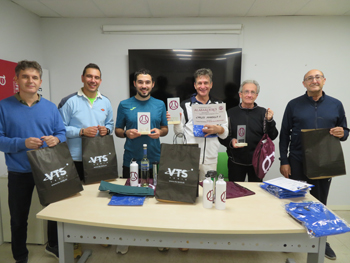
<point x="24" y="64"/>
<point x="143" y="71"/>
<point x="203" y="72"/>
<point x="92" y="65"/>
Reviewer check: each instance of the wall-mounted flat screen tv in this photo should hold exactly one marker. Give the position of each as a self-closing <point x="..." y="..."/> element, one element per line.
<point x="173" y="71"/>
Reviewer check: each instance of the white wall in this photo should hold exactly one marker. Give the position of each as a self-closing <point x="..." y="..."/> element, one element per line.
<point x="277" y="51"/>
<point x="21" y="37"/>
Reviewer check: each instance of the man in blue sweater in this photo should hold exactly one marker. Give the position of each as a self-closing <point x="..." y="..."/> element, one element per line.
<point x="27" y="122"/>
<point x="86" y="113"/>
<point x="312" y="110"/>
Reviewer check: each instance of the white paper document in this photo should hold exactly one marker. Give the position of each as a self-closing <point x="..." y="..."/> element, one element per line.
<point x="288" y="184"/>
<point x="209" y="114"/>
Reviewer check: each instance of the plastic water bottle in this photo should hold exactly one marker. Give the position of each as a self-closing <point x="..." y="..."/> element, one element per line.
<point x="208" y="193"/>
<point x="134" y="174"/>
<point x="144" y="168"/>
<point x="220" y="199"/>
<point x="155" y="173"/>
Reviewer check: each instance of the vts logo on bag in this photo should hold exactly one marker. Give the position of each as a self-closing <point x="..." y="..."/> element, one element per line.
<point x="178" y="173"/>
<point x="100" y="161"/>
<point x="59" y="174"/>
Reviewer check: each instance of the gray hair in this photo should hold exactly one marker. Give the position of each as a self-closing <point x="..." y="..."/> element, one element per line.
<point x="203" y="72"/>
<point x="250" y="81"/>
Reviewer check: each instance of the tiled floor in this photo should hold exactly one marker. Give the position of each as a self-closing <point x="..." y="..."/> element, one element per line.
<point x="340" y="244"/>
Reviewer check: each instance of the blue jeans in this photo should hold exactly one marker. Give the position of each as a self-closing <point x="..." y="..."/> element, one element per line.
<point x="20" y="190"/>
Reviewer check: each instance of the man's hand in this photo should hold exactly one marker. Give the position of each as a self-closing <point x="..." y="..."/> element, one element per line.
<point x="102" y="130"/>
<point x="285" y="170"/>
<point x="234" y="142"/>
<point x="168" y="116"/>
<point x="90" y="131"/>
<point x="337" y="132"/>
<point x="33" y="143"/>
<point x="155" y="133"/>
<point x="269" y="114"/>
<point x="212" y="129"/>
<point x="51" y="141"/>
<point x="132" y="133"/>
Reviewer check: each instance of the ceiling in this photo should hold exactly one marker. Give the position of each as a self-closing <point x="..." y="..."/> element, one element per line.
<point x="183" y="8"/>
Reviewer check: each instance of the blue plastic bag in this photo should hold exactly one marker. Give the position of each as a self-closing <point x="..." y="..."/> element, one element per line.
<point x="317" y="219"/>
<point x="197" y="132"/>
<point x="283" y="193"/>
<point x="127" y="200"/>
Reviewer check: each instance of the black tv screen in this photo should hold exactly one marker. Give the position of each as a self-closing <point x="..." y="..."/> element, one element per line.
<point x="173" y="71"/>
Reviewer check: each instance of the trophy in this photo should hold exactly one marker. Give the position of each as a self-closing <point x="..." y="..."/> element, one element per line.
<point x="241" y="131"/>
<point x="144" y="122"/>
<point x="174" y="110"/>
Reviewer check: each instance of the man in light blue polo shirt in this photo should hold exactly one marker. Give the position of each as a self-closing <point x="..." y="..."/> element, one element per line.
<point x="86" y="113"/>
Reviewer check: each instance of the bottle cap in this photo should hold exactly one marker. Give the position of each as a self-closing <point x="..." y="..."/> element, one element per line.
<point x="212" y="173"/>
<point x="221" y="176"/>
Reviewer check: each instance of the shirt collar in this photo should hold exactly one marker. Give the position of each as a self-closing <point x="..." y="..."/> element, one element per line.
<point x="18" y="97"/>
<point x="81" y="93"/>
<point x="195" y="101"/>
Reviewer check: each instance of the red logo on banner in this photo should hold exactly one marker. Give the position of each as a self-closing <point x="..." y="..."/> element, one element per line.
<point x="8" y="86"/>
<point x="144" y="119"/>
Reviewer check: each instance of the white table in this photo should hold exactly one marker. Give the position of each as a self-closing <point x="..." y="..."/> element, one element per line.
<point x="252" y="223"/>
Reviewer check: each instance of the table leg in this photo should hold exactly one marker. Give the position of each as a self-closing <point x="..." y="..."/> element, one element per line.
<point x="318" y="257"/>
<point x="65" y="250"/>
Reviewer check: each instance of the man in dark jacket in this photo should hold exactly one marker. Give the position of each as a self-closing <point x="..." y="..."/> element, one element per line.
<point x="312" y="110"/>
<point x="247" y="113"/>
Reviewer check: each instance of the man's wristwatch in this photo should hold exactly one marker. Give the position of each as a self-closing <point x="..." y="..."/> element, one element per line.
<point x="125" y="134"/>
<point x="108" y="131"/>
<point x="82" y="132"/>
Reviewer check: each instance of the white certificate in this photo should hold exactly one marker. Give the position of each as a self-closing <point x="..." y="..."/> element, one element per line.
<point x="209" y="114"/>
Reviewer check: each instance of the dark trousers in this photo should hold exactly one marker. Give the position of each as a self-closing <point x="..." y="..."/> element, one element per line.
<point x="20" y="190"/>
<point x="238" y="173"/>
<point x="321" y="186"/>
<point x="80" y="169"/>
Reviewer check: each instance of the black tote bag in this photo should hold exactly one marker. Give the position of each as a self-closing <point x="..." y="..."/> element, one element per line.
<point x="54" y="173"/>
<point x="178" y="173"/>
<point x="322" y="154"/>
<point x="99" y="159"/>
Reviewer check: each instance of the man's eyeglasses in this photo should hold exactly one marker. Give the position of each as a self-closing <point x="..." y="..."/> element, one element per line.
<point x="311" y="78"/>
<point x="246" y="92"/>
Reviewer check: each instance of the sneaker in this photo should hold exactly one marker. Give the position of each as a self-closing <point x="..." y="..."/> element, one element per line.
<point x="122" y="249"/>
<point x="77" y="250"/>
<point x="329" y="252"/>
<point x="163" y="249"/>
<point x="53" y="251"/>
<point x="22" y="260"/>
